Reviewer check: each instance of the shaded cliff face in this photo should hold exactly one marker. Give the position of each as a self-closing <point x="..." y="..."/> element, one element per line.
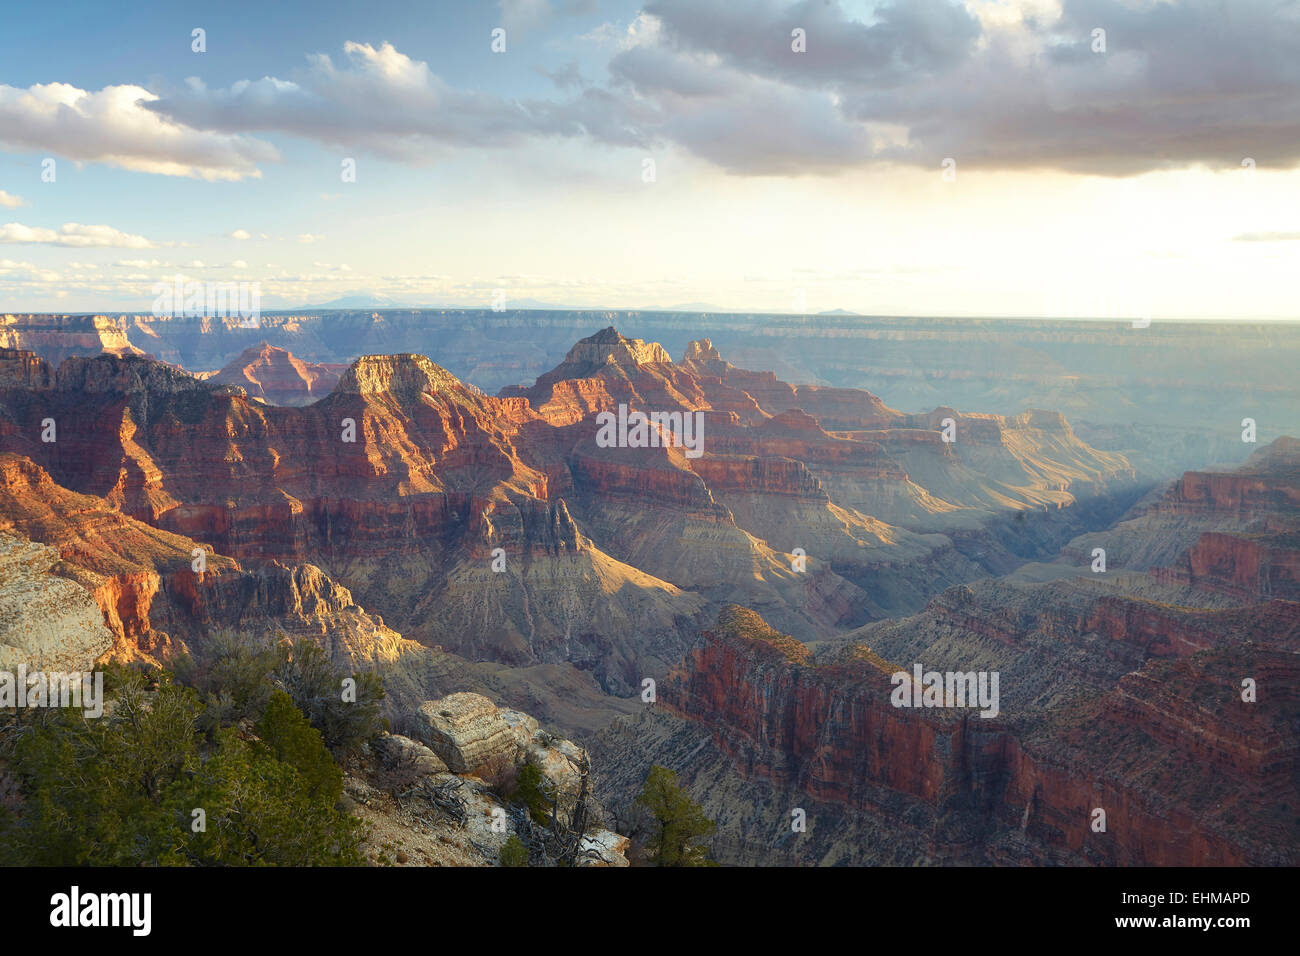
<point x="1140" y="694"/>
<point x="1186" y="771"/>
<point x="1234" y="533"/>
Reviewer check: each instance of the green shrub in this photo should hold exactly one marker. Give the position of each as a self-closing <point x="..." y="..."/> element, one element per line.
<point x="233" y="682"/>
<point x="122" y="790"/>
<point x="316" y="687"/>
<point x="292" y="740"/>
<point x="514" y="853"/>
<point x="528" y="794"/>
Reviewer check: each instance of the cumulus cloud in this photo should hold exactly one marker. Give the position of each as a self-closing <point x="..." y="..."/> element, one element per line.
<point x="1000" y="85"/>
<point x="1179" y="83"/>
<point x="382" y="100"/>
<point x="115" y="126"/>
<point x="10" y="201"/>
<point x="241" y="234"/>
<point x="904" y="41"/>
<point x="73" y="234"/>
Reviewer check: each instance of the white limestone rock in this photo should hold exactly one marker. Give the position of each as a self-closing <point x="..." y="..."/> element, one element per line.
<point x="465" y="730"/>
<point x="604" y="848"/>
<point x="46" y="622"/>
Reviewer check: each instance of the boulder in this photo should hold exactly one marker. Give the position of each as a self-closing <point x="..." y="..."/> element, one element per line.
<point x="398" y="748"/>
<point x="522" y="726"/>
<point x="46" y="621"/>
<point x="465" y="730"/>
<point x="604" y="848"/>
<point x="558" y="759"/>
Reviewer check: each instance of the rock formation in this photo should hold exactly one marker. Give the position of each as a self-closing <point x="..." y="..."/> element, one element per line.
<point x="1135" y="693"/>
<point x="498" y="528"/>
<point x="471" y="547"/>
<point x="278" y="377"/>
<point x="47" y="622"/>
<point x="472" y="746"/>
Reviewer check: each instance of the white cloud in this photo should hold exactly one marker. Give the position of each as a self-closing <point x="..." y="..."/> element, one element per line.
<point x="113" y="126"/>
<point x="73" y="234"/>
<point x="307" y="238"/>
<point x="241" y="235"/>
<point x="25" y="272"/>
<point x="382" y="100"/>
<point x="10" y="201"/>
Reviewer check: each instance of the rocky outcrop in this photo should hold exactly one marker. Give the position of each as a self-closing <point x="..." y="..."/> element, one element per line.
<point x="468" y="732"/>
<point x="1234" y="533"/>
<point x="401" y="750"/>
<point x="465" y="730"/>
<point x="842" y="409"/>
<point x="23" y="369"/>
<point x="278" y="377"/>
<point x="47" y="622"/>
<point x="1268" y="483"/>
<point x="1254" y="568"/>
<point x="57" y="337"/>
<point x="420" y="812"/>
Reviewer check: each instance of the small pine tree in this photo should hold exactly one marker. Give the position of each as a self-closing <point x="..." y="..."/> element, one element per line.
<point x="677" y="821"/>
<point x="528" y="793"/>
<point x="514" y="853"/>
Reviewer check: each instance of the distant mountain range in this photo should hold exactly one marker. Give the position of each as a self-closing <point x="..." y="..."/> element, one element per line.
<point x="378" y="300"/>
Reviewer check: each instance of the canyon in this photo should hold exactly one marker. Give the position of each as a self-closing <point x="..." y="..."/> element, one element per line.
<point x="455" y="540"/>
<point x="1120" y="691"/>
<point x="1153" y="394"/>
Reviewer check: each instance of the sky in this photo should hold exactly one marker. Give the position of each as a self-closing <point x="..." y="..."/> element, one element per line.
<point x="1068" y="158"/>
